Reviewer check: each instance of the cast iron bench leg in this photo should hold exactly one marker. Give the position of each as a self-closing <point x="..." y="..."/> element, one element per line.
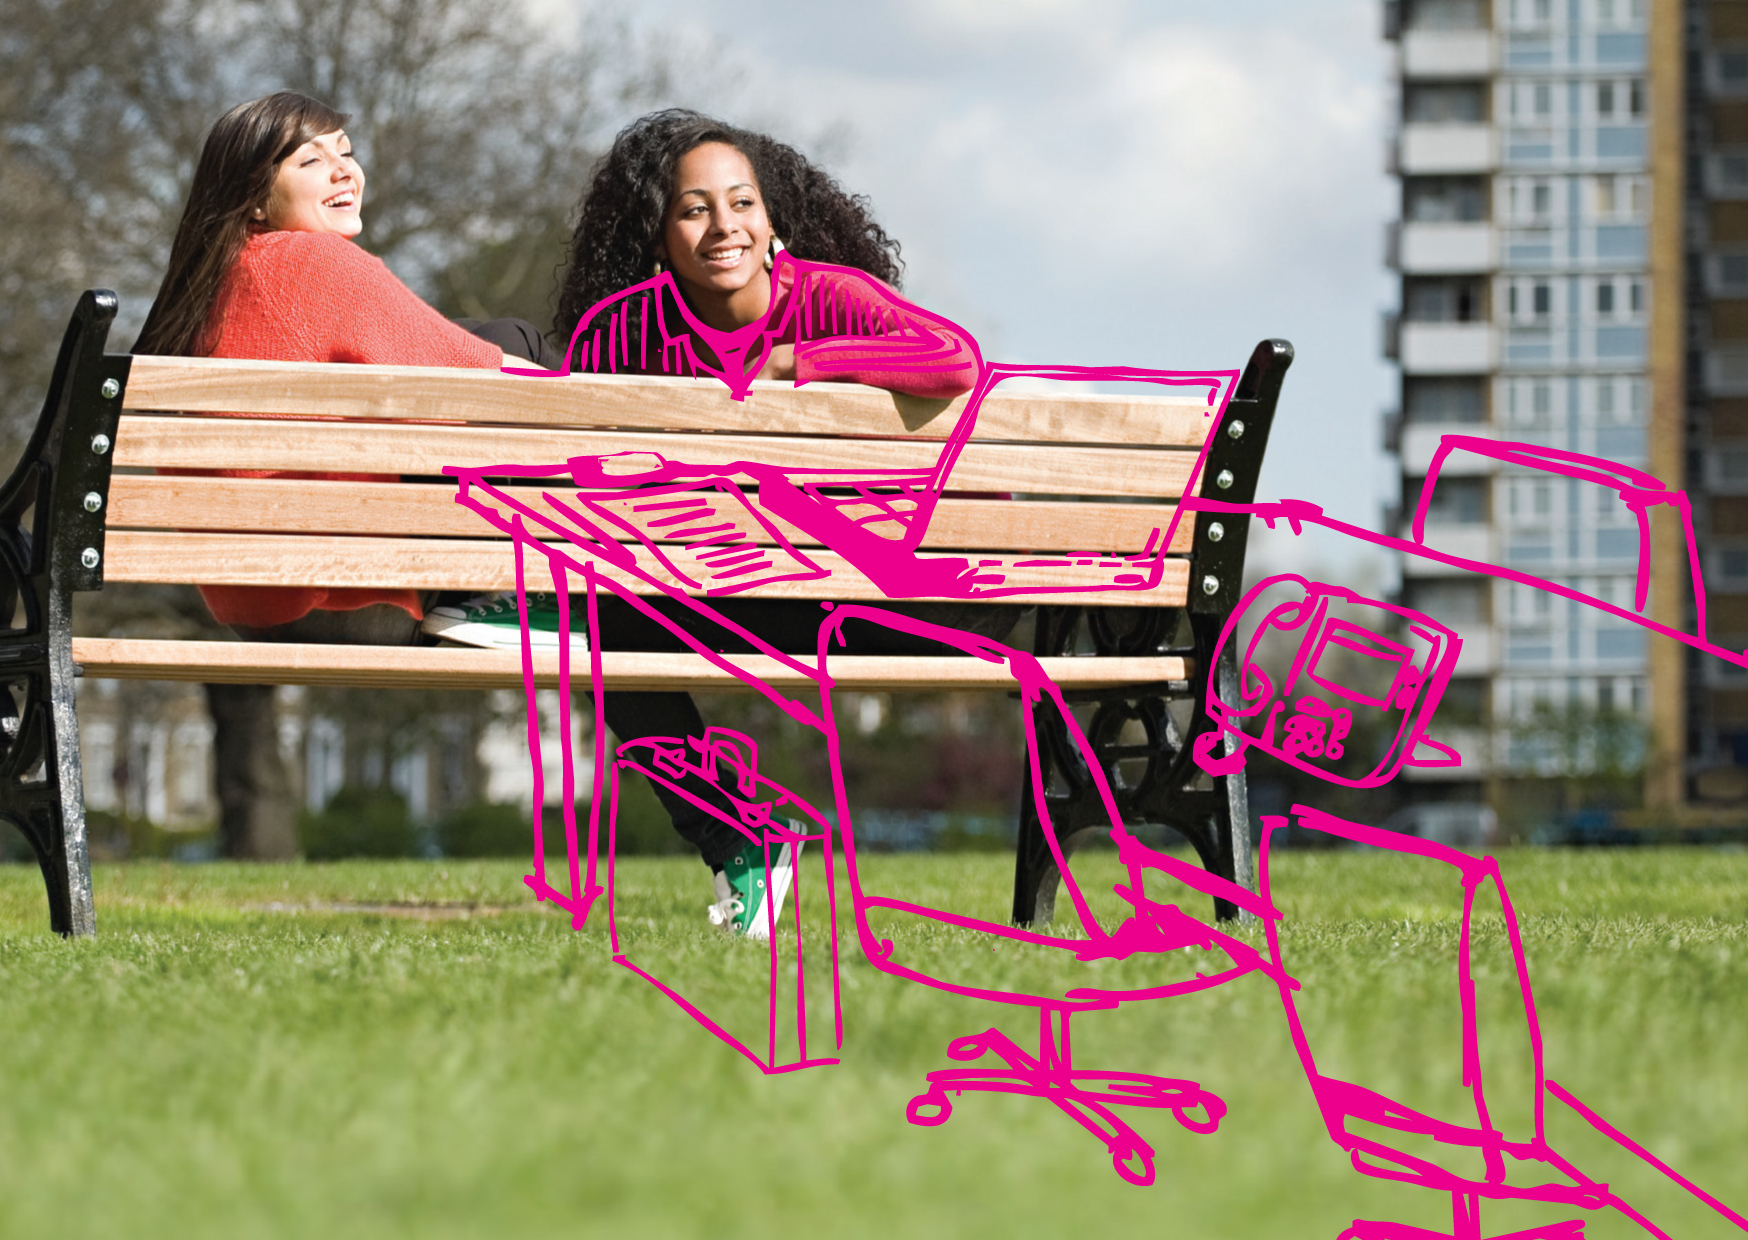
<point x="51" y="544"/>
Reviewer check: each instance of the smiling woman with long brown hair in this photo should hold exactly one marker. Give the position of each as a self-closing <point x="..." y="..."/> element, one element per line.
<point x="264" y="266"/>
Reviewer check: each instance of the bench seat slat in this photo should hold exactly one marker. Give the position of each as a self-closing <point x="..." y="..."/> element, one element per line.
<point x="237" y="443"/>
<point x="306" y="389"/>
<point x="467" y="564"/>
<point x="390" y="508"/>
<point x="449" y="667"/>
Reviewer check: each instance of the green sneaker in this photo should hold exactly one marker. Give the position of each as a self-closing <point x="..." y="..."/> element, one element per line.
<point x="743" y="887"/>
<point x="491" y="621"/>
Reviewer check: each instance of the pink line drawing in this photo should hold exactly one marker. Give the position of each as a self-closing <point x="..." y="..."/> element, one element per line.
<point x="750" y="803"/>
<point x="1151" y="927"/>
<point x="1350" y="1110"/>
<point x="1639" y="493"/>
<point x="1305" y="719"/>
<point x="841" y="321"/>
<point x="706" y="530"/>
<point x="694" y="532"/>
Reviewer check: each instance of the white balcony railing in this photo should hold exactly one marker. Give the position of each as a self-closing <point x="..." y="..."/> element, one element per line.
<point x="1420" y="440"/>
<point x="1470" y="542"/>
<point x="1447" y="53"/>
<point x="1476" y="656"/>
<point x="1448" y="348"/>
<point x="1453" y="249"/>
<point x="1451" y="149"/>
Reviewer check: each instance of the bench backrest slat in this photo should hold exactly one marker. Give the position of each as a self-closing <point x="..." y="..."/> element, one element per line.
<point x="277" y="505"/>
<point x="465" y="564"/>
<point x="367" y="447"/>
<point x="1060" y="415"/>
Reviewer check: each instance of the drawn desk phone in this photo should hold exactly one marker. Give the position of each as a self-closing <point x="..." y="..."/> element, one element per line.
<point x="1338" y="685"/>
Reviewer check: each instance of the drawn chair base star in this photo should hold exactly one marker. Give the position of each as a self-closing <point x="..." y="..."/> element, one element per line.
<point x="1085" y="1096"/>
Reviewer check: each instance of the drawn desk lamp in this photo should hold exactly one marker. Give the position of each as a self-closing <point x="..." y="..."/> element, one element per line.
<point x="1148" y="927"/>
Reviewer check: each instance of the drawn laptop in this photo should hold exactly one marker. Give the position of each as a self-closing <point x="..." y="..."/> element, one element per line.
<point x="710" y="529"/>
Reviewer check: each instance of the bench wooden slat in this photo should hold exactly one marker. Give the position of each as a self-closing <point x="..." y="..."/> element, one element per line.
<point x="844" y="409"/>
<point x="390" y="508"/>
<point x="392" y="667"/>
<point x="468" y="564"/>
<point x="365" y="447"/>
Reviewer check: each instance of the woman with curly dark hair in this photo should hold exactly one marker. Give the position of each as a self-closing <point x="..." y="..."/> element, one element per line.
<point x="701" y="248"/>
<point x="676" y="268"/>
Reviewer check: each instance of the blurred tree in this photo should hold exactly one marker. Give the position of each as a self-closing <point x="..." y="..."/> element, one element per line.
<point x="1583" y="757"/>
<point x="475" y="124"/>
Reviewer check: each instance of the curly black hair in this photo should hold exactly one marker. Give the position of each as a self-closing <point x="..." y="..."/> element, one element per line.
<point x="620" y="218"/>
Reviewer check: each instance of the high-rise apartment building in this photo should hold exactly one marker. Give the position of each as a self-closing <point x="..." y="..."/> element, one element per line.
<point x="1557" y="265"/>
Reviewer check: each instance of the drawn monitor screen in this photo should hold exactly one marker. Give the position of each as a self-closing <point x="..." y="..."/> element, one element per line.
<point x="1348" y="680"/>
<point x="1360" y="667"/>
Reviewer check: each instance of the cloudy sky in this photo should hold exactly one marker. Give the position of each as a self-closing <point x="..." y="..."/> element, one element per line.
<point x="1155" y="184"/>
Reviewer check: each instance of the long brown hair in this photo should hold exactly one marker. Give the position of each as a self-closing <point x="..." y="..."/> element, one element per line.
<point x="234" y="177"/>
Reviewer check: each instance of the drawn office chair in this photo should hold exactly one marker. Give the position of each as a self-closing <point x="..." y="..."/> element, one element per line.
<point x="1149" y="926"/>
<point x="1381" y="1133"/>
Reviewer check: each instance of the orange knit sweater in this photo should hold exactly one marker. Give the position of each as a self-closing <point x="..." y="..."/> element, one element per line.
<point x="317" y="297"/>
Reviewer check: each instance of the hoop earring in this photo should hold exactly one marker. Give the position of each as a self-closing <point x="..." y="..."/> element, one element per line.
<point x="772" y="250"/>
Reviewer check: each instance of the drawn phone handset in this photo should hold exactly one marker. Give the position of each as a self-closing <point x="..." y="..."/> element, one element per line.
<point x="1338" y="685"/>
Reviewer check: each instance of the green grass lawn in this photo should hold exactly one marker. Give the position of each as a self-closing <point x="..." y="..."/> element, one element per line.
<point x="243" y="1052"/>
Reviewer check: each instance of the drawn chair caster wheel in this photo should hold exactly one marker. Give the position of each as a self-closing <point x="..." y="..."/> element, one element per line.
<point x="929" y="1110"/>
<point x="1135" y="1166"/>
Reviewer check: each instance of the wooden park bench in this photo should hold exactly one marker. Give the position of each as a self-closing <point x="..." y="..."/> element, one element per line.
<point x="1097" y="473"/>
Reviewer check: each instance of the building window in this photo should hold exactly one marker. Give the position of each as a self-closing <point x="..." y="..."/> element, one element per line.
<point x="1443" y="301"/>
<point x="1733" y="69"/>
<point x="1445" y="103"/>
<point x="1605" y="298"/>
<point x="1541" y="300"/>
<point x="1455" y="501"/>
<point x="1443" y="200"/>
<point x="1636" y="96"/>
<point x="1544" y="98"/>
<point x="1605" y="98"/>
<point x="1733" y="272"/>
<point x="1731" y="171"/>
<point x="1458" y="601"/>
<point x="1442" y="15"/>
<point x="1607" y="199"/>
<point x="1443" y="400"/>
<point x="1605" y="398"/>
<point x="1541" y="199"/>
<point x="1636" y="297"/>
